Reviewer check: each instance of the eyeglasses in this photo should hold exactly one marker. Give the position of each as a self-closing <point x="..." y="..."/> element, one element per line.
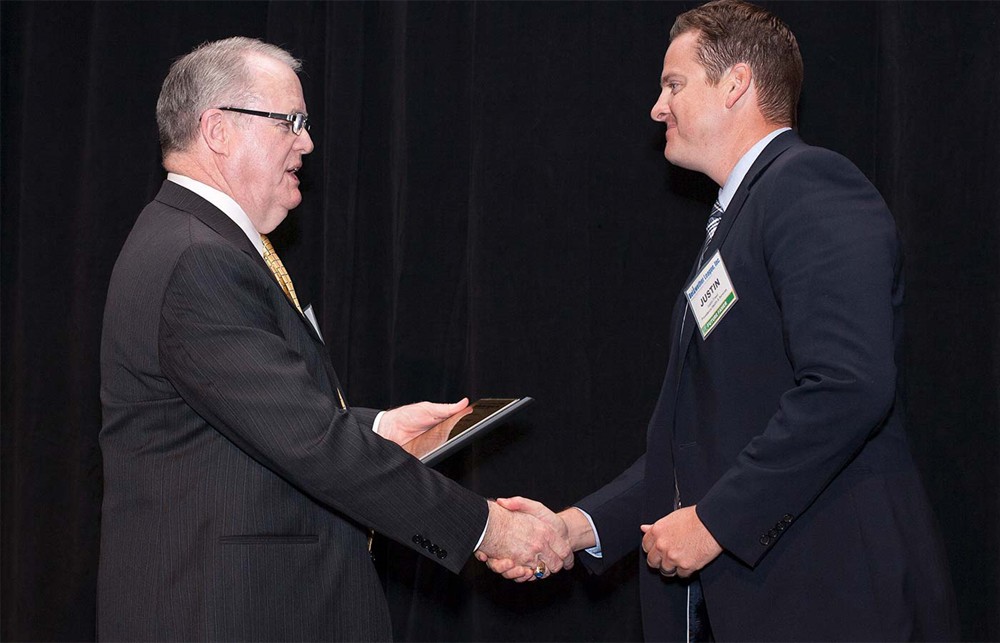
<point x="298" y="120"/>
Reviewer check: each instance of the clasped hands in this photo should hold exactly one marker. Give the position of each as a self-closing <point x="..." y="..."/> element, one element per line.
<point x="524" y="542"/>
<point x="677" y="544"/>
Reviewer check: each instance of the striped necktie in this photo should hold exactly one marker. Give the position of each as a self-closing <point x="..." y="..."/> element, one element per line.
<point x="274" y="263"/>
<point x="713" y="223"/>
<point x="710" y="227"/>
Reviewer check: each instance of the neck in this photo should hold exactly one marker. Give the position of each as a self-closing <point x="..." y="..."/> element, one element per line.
<point x="740" y="142"/>
<point x="192" y="167"/>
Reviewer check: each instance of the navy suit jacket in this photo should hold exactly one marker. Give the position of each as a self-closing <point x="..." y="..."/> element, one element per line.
<point x="237" y="491"/>
<point x="785" y="427"/>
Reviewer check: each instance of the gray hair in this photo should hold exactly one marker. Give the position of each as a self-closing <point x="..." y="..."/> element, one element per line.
<point x="214" y="74"/>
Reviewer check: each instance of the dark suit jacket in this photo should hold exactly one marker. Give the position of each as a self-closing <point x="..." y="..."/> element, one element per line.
<point x="237" y="493"/>
<point x="785" y="427"/>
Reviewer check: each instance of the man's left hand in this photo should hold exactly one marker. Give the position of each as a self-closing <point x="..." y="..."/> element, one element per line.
<point x="679" y="544"/>
<point x="407" y="422"/>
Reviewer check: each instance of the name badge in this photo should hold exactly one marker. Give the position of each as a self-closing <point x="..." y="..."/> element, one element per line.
<point x="711" y="295"/>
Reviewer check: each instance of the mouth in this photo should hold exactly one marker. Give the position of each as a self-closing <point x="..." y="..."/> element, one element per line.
<point x="292" y="172"/>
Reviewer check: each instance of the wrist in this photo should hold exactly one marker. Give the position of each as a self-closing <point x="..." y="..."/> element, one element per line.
<point x="578" y="531"/>
<point x="495" y="524"/>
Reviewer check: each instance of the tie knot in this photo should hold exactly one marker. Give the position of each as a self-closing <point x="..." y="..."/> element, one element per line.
<point x="278" y="269"/>
<point x="268" y="248"/>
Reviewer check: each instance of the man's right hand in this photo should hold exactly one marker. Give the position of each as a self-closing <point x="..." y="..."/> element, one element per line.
<point x="519" y="541"/>
<point x="570" y="525"/>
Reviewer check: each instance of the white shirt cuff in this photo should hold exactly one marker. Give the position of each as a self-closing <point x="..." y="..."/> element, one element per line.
<point x="594" y="551"/>
<point x="483" y="535"/>
<point x="378" y="418"/>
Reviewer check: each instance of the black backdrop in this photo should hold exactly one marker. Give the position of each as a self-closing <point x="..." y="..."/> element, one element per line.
<point x="487" y="211"/>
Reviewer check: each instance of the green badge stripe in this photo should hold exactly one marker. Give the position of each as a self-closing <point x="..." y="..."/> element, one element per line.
<point x="719" y="312"/>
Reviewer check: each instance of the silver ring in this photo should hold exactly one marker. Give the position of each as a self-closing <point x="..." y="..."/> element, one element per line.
<point x="669" y="572"/>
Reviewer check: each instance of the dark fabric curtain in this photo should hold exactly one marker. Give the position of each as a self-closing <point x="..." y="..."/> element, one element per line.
<point x="487" y="212"/>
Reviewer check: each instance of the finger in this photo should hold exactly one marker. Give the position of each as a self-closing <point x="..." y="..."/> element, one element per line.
<point x="655" y="559"/>
<point x="561" y="548"/>
<point x="555" y="564"/>
<point x="520" y="503"/>
<point x="647" y="539"/>
<point x="562" y="556"/>
<point x="516" y="503"/>
<point x="445" y="409"/>
<point x="517" y="572"/>
<point x="546" y="556"/>
<point x="481" y="557"/>
<point x="502" y="565"/>
<point x="527" y="575"/>
<point x="684" y="573"/>
<point x="669" y="572"/>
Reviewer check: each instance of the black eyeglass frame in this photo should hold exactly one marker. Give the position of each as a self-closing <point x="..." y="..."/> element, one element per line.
<point x="298" y="120"/>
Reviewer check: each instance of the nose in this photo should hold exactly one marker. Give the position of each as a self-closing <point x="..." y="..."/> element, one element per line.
<point x="304" y="142"/>
<point x="660" y="108"/>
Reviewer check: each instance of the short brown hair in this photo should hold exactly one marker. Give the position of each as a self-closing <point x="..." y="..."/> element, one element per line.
<point x="731" y="32"/>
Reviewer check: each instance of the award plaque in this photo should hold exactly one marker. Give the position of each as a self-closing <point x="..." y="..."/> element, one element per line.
<point x="460" y="429"/>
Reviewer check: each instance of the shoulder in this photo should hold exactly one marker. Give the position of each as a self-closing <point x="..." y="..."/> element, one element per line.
<point x="814" y="195"/>
<point x="169" y="247"/>
<point x="808" y="167"/>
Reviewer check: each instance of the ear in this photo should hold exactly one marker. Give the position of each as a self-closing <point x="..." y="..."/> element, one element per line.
<point x="215" y="131"/>
<point x="738" y="83"/>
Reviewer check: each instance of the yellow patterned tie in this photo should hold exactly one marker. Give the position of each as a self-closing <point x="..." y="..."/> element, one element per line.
<point x="274" y="263"/>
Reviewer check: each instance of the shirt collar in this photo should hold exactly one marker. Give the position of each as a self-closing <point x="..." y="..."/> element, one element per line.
<point x="225" y="203"/>
<point x="739" y="172"/>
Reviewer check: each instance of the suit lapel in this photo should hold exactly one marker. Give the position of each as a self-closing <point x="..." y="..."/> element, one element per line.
<point x="181" y="198"/>
<point x="773" y="150"/>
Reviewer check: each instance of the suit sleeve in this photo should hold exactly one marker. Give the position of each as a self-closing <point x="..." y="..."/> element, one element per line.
<point x="615" y="510"/>
<point x="831" y="252"/>
<point x="220" y="346"/>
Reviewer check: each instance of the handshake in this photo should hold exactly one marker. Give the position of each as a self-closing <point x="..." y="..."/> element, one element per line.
<point x="525" y="540"/>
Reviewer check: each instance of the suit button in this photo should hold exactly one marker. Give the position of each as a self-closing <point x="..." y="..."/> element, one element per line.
<point x="433" y="549"/>
<point x="765" y="540"/>
<point x="773" y="533"/>
<point x="787" y="519"/>
<point x="781" y="526"/>
<point x="442" y="553"/>
<point x="416" y="539"/>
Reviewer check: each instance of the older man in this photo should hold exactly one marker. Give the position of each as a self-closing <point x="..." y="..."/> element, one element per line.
<point x="777" y="498"/>
<point x="239" y="485"/>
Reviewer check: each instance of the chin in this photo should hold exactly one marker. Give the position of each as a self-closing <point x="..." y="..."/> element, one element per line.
<point x="677" y="159"/>
<point x="272" y="222"/>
